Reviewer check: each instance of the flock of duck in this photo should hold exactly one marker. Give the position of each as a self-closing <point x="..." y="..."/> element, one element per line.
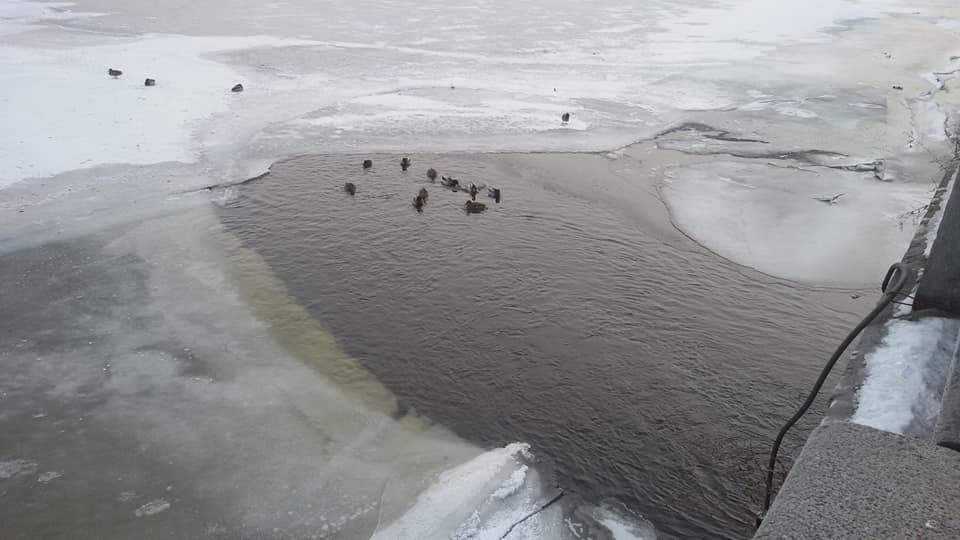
<point x="471" y="206"/>
<point x="420" y="200"/>
<point x="116" y="73"/>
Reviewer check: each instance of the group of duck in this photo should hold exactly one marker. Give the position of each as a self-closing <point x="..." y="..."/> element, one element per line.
<point x="420" y="200"/>
<point x="116" y="73"/>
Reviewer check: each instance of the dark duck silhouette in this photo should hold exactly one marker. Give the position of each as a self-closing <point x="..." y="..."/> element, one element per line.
<point x="474" y="207"/>
<point x="367" y="163"/>
<point x="473" y="191"/>
<point x="423" y="194"/>
<point x="450" y="182"/>
<point x="149" y="82"/>
<point x="432" y="174"/>
<point x="237" y="88"/>
<point x="418" y="203"/>
<point x="565" y="117"/>
<point x="405" y="163"/>
<point x="350" y="188"/>
<point x="494" y="193"/>
<point x="114" y="72"/>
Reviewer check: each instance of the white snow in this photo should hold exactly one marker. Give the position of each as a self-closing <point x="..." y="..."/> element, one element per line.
<point x="70" y="115"/>
<point x="898" y="390"/>
<point x="480" y="500"/>
<point x="22" y="15"/>
<point x="621" y="527"/>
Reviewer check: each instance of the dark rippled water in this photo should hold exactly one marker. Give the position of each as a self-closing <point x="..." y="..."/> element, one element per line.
<point x="646" y="369"/>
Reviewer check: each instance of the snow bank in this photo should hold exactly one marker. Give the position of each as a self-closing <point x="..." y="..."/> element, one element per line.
<point x="904" y="375"/>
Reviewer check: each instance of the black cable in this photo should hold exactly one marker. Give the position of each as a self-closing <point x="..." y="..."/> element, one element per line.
<point x="891" y="288"/>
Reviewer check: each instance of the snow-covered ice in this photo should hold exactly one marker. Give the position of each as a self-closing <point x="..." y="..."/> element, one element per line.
<point x="70" y="115"/>
<point x="768" y="216"/>
<point x="428" y="76"/>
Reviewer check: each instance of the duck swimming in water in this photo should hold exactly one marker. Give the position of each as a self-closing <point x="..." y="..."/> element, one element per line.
<point x="367" y="163"/>
<point x="350" y="188"/>
<point x="494" y="193"/>
<point x="432" y="174"/>
<point x="237" y="88"/>
<point x="474" y="207"/>
<point x="450" y="182"/>
<point x="423" y="194"/>
<point x="565" y="117"/>
<point x="114" y="72"/>
<point x="418" y="203"/>
<point x="405" y="163"/>
<point x="473" y="191"/>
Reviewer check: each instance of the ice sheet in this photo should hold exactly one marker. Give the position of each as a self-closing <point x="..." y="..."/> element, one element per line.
<point x="70" y="114"/>
<point x="767" y="216"/>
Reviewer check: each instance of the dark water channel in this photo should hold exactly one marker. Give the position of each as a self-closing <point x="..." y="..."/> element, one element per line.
<point x="648" y="370"/>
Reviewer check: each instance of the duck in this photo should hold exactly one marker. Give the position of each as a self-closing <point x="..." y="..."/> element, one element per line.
<point x="473" y="191"/>
<point x="115" y="73"/>
<point x="450" y="182"/>
<point x="149" y="82"/>
<point x="418" y="203"/>
<point x="237" y="88"/>
<point x="423" y="194"/>
<point x="565" y="117"/>
<point x="432" y="174"/>
<point x="350" y="188"/>
<point x="494" y="193"/>
<point x="474" y="207"/>
<point x="367" y="163"/>
<point x="405" y="163"/>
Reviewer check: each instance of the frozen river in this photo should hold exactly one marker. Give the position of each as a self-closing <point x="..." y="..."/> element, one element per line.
<point x="125" y="293"/>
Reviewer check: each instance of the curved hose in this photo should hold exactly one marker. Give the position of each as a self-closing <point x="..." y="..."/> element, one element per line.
<point x="891" y="286"/>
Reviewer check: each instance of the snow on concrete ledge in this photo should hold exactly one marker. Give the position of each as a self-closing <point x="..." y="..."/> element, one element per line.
<point x="904" y="375"/>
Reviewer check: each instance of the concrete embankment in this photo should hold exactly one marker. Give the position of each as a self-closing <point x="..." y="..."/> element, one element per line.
<point x="884" y="463"/>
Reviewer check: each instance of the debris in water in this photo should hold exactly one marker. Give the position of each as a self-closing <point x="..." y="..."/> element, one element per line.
<point x="48" y="476"/>
<point x="151" y="508"/>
